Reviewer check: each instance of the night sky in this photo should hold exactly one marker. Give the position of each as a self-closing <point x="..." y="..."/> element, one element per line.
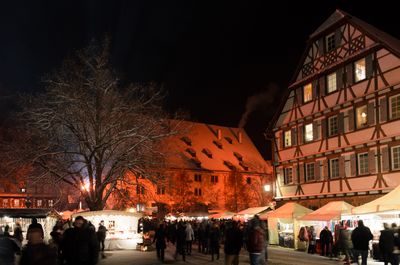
<point x="211" y="56"/>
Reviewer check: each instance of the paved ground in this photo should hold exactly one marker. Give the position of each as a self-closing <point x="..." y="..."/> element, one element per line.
<point x="277" y="256"/>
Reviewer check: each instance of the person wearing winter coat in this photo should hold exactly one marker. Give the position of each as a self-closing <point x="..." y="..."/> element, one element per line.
<point x="215" y="236"/>
<point x="189" y="238"/>
<point x="386" y="244"/>
<point x="180" y="241"/>
<point x="312" y="237"/>
<point x="360" y="238"/>
<point x="101" y="236"/>
<point x="256" y="243"/>
<point x="160" y="239"/>
<point x="233" y="243"/>
<point x="8" y="249"/>
<point x="326" y="240"/>
<point x="79" y="245"/>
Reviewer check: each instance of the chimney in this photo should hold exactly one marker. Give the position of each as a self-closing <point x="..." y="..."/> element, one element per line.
<point x="240" y="137"/>
<point x="219" y="134"/>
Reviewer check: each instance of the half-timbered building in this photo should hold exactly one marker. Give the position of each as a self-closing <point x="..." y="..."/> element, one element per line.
<point x="337" y="136"/>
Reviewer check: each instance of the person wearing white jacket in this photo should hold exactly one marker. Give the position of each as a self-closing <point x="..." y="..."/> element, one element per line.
<point x="189" y="238"/>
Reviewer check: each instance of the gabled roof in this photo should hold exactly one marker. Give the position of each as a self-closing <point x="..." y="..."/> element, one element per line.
<point x="215" y="148"/>
<point x="289" y="210"/>
<point x="337" y="16"/>
<point x="331" y="211"/>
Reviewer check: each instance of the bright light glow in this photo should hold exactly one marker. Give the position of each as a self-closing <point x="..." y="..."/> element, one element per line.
<point x="85" y="187"/>
<point x="267" y="187"/>
<point x="309" y="132"/>
<point x="132" y="210"/>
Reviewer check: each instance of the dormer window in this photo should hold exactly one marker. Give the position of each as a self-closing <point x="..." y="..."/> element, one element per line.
<point x="307" y="93"/>
<point x="191" y="151"/>
<point x="330" y="42"/>
<point x="186" y="140"/>
<point x="228" y="139"/>
<point x="218" y="144"/>
<point x="238" y="156"/>
<point x="207" y="152"/>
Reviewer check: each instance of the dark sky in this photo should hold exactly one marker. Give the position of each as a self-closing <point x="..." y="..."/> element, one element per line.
<point x="210" y="55"/>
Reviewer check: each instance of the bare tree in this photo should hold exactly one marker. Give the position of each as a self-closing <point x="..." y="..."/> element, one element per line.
<point x="88" y="131"/>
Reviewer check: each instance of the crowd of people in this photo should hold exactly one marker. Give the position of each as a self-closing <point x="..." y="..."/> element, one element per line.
<point x="209" y="235"/>
<point x="76" y="243"/>
<point x="353" y="244"/>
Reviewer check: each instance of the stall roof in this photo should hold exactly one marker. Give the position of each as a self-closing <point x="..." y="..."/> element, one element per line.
<point x="106" y="212"/>
<point x="27" y="213"/>
<point x="331" y="211"/>
<point x="388" y="202"/>
<point x="253" y="210"/>
<point x="288" y="210"/>
<point x="221" y="215"/>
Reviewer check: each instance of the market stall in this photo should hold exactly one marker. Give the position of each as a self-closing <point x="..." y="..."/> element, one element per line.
<point x="283" y="224"/>
<point x="122" y="227"/>
<point x="328" y="215"/>
<point x="222" y="215"/>
<point x="46" y="217"/>
<point x="250" y="212"/>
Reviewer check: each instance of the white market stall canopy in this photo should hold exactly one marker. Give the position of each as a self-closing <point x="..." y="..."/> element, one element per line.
<point x="331" y="211"/>
<point x="249" y="212"/>
<point x="289" y="210"/>
<point x="221" y="215"/>
<point x="386" y="203"/>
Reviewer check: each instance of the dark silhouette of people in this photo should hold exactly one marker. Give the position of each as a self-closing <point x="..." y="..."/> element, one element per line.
<point x="160" y="240"/>
<point x="101" y="236"/>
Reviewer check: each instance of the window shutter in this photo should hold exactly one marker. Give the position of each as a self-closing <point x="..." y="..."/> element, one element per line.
<point x="317" y="170"/>
<point x="280" y="176"/>
<point x="371" y="113"/>
<point x="341" y="167"/>
<point x="369" y="65"/>
<point x="325" y="169"/>
<point x="315" y="88"/>
<point x="351" y="120"/>
<point x="353" y="164"/>
<point x="321" y="46"/>
<point x="299" y="92"/>
<point x="294" y="173"/>
<point x="383" y="109"/>
<point x="301" y="134"/>
<point x="385" y="159"/>
<point x="322" y="86"/>
<point x="338" y="37"/>
<point x="282" y="139"/>
<point x="339" y="78"/>
<point x="323" y="129"/>
<point x="294" y="136"/>
<point x="371" y="161"/>
<point x="349" y="74"/>
<point x="341" y="122"/>
<point x="315" y="130"/>
<point x="301" y="169"/>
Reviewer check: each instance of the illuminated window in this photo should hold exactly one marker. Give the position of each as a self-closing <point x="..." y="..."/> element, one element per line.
<point x="395" y="107"/>
<point x="288" y="175"/>
<point x="16" y="203"/>
<point x="23" y="190"/>
<point x="308" y="132"/>
<point x="363" y="163"/>
<point x="395" y="157"/>
<point x="331" y="80"/>
<point x="39" y="203"/>
<point x="214" y="179"/>
<point x="197" y="191"/>
<point x="333" y="126"/>
<point x="330" y="42"/>
<point x="361" y="116"/>
<point x="310" y="174"/>
<point x="51" y="203"/>
<point x="197" y="177"/>
<point x="288" y="138"/>
<point x="334" y="168"/>
<point x="307" y="92"/>
<point x="359" y="70"/>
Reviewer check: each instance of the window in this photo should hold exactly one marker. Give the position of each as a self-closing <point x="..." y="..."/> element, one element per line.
<point x="331" y="81"/>
<point x="310" y="175"/>
<point x="330" y="42"/>
<point x="333" y="126"/>
<point x="197" y="177"/>
<point x="51" y="203"/>
<point x="395" y="107"/>
<point x="359" y="70"/>
<point x="248" y="181"/>
<point x="288" y="175"/>
<point x="160" y="190"/>
<point x="308" y="132"/>
<point x="307" y="92"/>
<point x="395" y="157"/>
<point x="16" y="203"/>
<point x="334" y="168"/>
<point x="39" y="203"/>
<point x="5" y="203"/>
<point x="361" y="116"/>
<point x="363" y="163"/>
<point x="288" y="138"/>
<point x="214" y="179"/>
<point x="23" y="190"/>
<point x="197" y="191"/>
<point x="139" y="189"/>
